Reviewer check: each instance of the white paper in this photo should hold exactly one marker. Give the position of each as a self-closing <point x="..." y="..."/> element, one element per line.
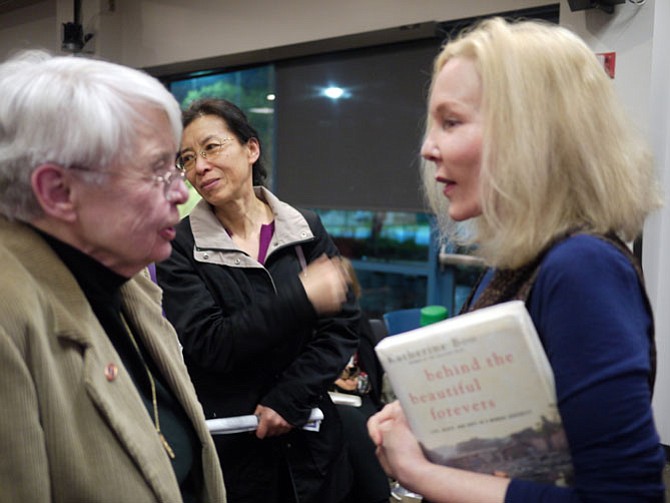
<point x="345" y="399"/>
<point x="238" y="424"/>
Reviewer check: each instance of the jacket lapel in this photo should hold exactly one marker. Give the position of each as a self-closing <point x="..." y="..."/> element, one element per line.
<point x="116" y="398"/>
<point x="122" y="408"/>
<point x="141" y="300"/>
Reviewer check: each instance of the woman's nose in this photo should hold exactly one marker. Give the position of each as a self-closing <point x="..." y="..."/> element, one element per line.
<point x="429" y="150"/>
<point x="201" y="162"/>
<point x="178" y="192"/>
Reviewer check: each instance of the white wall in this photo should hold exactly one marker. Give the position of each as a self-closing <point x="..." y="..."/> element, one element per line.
<point x="158" y="32"/>
<point x="150" y="33"/>
<point x="147" y="33"/>
<point x="628" y="32"/>
<point x="640" y="36"/>
<point x="30" y="27"/>
<point x="657" y="231"/>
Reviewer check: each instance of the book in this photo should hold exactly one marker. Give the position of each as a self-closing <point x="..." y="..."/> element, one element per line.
<point x="249" y="422"/>
<point x="478" y="393"/>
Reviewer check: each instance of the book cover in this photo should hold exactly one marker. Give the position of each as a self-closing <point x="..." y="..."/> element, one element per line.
<point x="478" y="393"/>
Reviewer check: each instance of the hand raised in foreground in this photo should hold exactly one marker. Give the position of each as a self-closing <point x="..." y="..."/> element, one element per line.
<point x="270" y="424"/>
<point x="325" y="282"/>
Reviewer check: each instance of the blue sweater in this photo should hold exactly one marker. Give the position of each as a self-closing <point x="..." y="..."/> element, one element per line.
<point x="590" y="313"/>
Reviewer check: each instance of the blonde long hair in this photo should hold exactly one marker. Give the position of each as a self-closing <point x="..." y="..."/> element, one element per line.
<point x="559" y="150"/>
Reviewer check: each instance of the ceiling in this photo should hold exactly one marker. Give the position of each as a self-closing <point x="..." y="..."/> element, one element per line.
<point x="10" y="5"/>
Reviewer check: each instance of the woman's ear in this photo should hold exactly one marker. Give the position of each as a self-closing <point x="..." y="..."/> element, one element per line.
<point x="253" y="150"/>
<point x="51" y="186"/>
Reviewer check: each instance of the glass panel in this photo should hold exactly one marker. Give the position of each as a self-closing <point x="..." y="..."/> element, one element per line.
<point x="390" y="252"/>
<point x="388" y="291"/>
<point x="349" y="119"/>
<point x="379" y="236"/>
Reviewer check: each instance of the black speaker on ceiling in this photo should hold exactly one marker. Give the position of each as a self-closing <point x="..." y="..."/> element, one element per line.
<point x="604" y="5"/>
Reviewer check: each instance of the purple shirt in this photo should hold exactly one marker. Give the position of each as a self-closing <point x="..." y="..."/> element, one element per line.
<point x="267" y="231"/>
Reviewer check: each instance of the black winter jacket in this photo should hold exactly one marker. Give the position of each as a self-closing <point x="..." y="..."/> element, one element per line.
<point x="250" y="335"/>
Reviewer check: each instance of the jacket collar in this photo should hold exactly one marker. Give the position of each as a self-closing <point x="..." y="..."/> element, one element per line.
<point x="53" y="280"/>
<point x="290" y="226"/>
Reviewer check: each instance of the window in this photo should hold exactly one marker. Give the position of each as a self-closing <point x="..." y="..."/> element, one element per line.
<point x="341" y="133"/>
<point x="350" y="125"/>
<point x="391" y="253"/>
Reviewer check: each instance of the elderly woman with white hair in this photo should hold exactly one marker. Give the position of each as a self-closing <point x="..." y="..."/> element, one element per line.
<point x="97" y="404"/>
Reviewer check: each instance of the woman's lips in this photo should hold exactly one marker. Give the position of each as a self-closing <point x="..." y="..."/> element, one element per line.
<point x="168" y="233"/>
<point x="208" y="184"/>
<point x="449" y="187"/>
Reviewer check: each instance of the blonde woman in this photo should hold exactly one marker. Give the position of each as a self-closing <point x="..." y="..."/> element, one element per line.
<point x="528" y="147"/>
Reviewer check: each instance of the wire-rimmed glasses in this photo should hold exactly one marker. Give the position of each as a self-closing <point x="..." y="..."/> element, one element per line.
<point x="213" y="147"/>
<point x="170" y="178"/>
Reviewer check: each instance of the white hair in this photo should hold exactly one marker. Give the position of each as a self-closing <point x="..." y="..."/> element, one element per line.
<point x="70" y="111"/>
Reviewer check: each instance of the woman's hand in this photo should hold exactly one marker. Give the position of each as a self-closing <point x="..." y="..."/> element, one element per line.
<point x="326" y="282"/>
<point x="397" y="448"/>
<point x="402" y="458"/>
<point x="270" y="424"/>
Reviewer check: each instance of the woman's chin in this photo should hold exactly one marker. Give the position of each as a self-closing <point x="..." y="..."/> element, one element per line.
<point x="457" y="216"/>
<point x="162" y="252"/>
<point x="459" y="213"/>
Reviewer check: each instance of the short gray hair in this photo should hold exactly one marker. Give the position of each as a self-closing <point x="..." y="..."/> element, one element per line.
<point x="70" y="111"/>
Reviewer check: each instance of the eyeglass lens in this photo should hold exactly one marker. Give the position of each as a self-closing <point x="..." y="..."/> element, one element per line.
<point x="210" y="150"/>
<point x="171" y="183"/>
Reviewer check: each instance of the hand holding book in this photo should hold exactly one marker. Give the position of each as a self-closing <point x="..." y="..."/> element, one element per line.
<point x="478" y="394"/>
<point x="402" y="444"/>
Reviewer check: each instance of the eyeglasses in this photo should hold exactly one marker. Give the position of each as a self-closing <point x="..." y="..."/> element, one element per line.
<point x="170" y="178"/>
<point x="213" y="148"/>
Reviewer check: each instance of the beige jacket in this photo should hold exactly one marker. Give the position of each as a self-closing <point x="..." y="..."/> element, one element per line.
<point x="69" y="433"/>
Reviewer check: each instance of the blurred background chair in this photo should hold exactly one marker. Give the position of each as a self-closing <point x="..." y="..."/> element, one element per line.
<point x="379" y="330"/>
<point x="402" y="320"/>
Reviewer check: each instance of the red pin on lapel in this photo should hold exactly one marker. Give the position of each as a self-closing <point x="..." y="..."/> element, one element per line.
<point x="111" y="371"/>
